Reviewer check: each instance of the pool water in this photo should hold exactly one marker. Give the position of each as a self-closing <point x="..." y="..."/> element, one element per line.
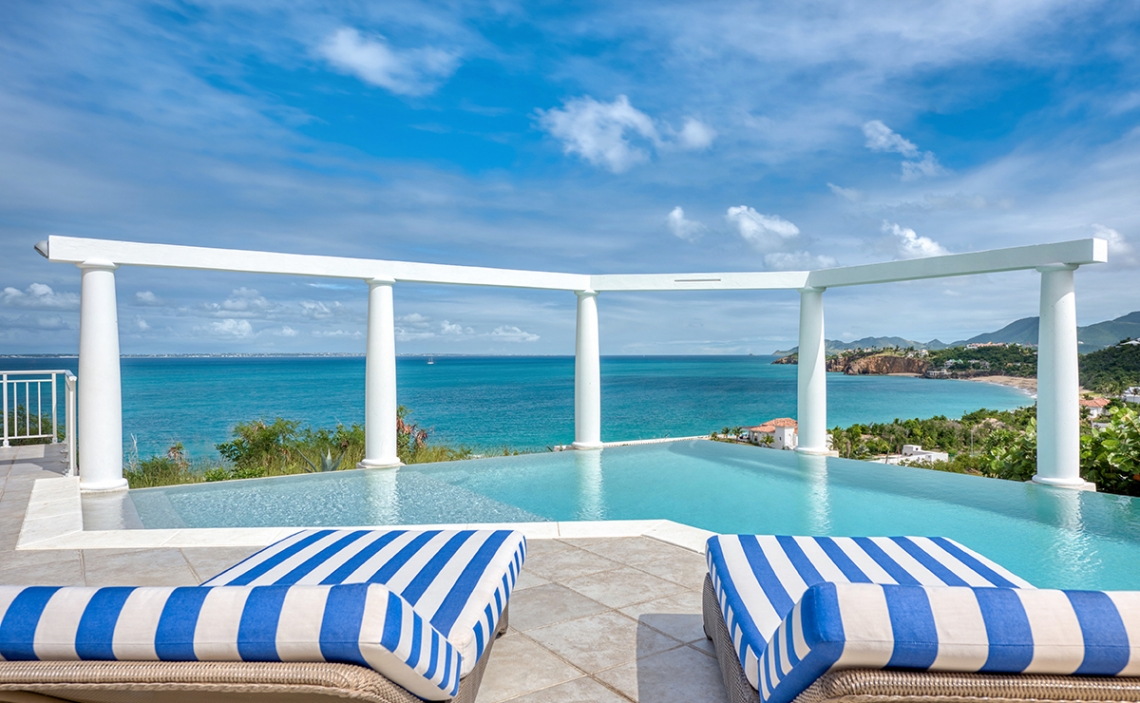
<point x="1053" y="537"/>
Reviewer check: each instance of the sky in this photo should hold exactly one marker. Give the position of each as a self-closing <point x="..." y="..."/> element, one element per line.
<point x="632" y="137"/>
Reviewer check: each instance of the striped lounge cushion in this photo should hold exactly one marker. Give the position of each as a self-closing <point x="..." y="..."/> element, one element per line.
<point x="759" y="578"/>
<point x="364" y="624"/>
<point x="988" y="630"/>
<point x="458" y="580"/>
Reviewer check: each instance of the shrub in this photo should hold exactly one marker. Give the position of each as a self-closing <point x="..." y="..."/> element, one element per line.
<point x="1110" y="457"/>
<point x="160" y="471"/>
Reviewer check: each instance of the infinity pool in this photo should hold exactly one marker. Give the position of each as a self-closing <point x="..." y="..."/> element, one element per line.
<point x="1053" y="537"/>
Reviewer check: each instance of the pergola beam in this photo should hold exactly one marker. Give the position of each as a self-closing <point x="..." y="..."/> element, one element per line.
<point x="76" y="250"/>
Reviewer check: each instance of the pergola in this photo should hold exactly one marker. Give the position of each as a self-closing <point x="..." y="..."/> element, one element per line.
<point x="100" y="422"/>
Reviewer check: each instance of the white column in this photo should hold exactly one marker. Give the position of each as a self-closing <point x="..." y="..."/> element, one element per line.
<point x="587" y="375"/>
<point x="380" y="379"/>
<point x="1058" y="384"/>
<point x="812" y="401"/>
<point x="100" y="423"/>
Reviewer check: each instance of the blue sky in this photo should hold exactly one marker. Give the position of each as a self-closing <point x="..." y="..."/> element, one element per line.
<point x="596" y="138"/>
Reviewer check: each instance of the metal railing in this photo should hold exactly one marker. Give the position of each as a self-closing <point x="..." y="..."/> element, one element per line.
<point x="23" y="396"/>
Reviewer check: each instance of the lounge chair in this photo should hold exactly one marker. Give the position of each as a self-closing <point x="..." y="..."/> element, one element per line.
<point x="870" y="620"/>
<point x="366" y="615"/>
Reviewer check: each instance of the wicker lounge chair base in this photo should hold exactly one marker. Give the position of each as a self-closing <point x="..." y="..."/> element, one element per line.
<point x="883" y="686"/>
<point x="216" y="682"/>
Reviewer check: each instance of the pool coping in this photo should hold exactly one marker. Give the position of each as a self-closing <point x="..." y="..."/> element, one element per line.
<point x="54" y="520"/>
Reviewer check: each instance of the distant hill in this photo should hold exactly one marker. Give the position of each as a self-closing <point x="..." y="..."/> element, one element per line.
<point x="1023" y="331"/>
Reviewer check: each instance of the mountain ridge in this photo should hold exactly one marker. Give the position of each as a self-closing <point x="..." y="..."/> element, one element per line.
<point x="1024" y="331"/>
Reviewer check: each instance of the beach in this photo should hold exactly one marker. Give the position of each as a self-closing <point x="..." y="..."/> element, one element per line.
<point x="1029" y="385"/>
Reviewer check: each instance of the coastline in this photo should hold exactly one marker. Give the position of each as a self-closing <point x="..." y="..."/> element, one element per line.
<point x="1028" y="385"/>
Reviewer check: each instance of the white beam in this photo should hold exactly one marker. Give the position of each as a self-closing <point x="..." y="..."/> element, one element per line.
<point x="100" y="422"/>
<point x="1081" y="251"/>
<point x="76" y="250"/>
<point x="765" y="280"/>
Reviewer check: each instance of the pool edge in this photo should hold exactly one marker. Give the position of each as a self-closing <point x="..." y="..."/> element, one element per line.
<point x="54" y="520"/>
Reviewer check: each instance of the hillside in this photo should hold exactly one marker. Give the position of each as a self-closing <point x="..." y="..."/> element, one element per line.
<point x="1113" y="369"/>
<point x="1023" y="331"/>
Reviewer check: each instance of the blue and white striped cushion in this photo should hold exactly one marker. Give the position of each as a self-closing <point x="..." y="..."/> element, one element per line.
<point x="364" y="624"/>
<point x="459" y="580"/>
<point x="986" y="630"/>
<point x="759" y="578"/>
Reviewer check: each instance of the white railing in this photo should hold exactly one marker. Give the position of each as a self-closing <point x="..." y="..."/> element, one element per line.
<point x="23" y="396"/>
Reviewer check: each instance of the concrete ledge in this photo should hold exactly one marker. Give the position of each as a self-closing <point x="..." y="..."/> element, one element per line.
<point x="54" y="520"/>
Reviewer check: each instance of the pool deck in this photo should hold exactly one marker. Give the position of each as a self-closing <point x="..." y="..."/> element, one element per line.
<point x="592" y="618"/>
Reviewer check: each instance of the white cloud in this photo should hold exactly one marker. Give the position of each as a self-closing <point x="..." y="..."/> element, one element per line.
<point x="882" y="138"/>
<point x="911" y="246"/>
<point x="689" y="230"/>
<point x="798" y="261"/>
<point x="145" y="297"/>
<point x="141" y="324"/>
<point x="616" y="135"/>
<point x="39" y="295"/>
<point x="245" y="302"/>
<point x="510" y="333"/>
<point x="1120" y="250"/>
<point x="927" y="166"/>
<point x="373" y="60"/>
<point x="601" y="132"/>
<point x="846" y="193"/>
<point x="316" y="310"/>
<point x="448" y="328"/>
<point x="695" y="135"/>
<point x="916" y="164"/>
<point x="232" y="327"/>
<point x="764" y="232"/>
<point x="287" y="331"/>
<point x="38" y="323"/>
<point x="339" y="334"/>
<point x="415" y="320"/>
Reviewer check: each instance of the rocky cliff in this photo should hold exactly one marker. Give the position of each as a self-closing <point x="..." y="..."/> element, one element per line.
<point x="874" y="365"/>
<point x="883" y="364"/>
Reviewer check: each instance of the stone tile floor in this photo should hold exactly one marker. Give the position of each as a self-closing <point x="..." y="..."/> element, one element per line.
<point x="606" y="619"/>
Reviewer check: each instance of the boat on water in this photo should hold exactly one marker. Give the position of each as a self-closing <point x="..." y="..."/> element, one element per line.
<point x="431" y="360"/>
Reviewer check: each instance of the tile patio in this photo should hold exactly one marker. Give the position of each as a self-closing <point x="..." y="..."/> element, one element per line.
<point x="597" y="619"/>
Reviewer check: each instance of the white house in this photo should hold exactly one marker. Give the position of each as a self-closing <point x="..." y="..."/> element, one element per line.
<point x="1096" y="406"/>
<point x="913" y="453"/>
<point x="1132" y="395"/>
<point x="783" y="432"/>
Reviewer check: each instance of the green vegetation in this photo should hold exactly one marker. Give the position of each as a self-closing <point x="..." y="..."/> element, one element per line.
<point x="1008" y="360"/>
<point x="1112" y="369"/>
<point x="1003" y="444"/>
<point x="20" y="423"/>
<point x="281" y="447"/>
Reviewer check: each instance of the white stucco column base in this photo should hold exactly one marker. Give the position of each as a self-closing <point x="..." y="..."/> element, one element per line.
<point x="380" y="379"/>
<point x="811" y="406"/>
<point x="100" y="402"/>
<point x="587" y="375"/>
<point x="1081" y="485"/>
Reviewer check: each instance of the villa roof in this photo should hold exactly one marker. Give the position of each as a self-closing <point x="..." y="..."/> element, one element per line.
<point x="771" y="425"/>
<point x="1094" y="402"/>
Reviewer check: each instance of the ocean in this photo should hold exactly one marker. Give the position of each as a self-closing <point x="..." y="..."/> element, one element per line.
<point x="525" y="403"/>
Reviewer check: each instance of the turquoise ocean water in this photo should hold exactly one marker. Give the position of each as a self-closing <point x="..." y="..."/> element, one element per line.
<point x="487" y="402"/>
